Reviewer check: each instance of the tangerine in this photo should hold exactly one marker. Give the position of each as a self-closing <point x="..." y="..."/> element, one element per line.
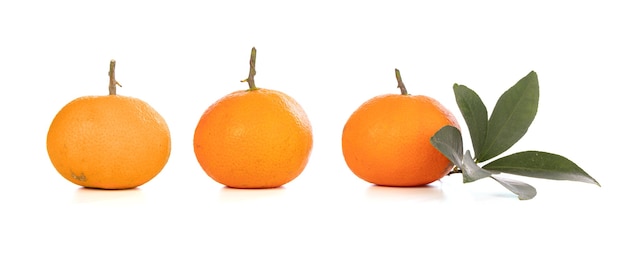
<point x="386" y="141"/>
<point x="255" y="138"/>
<point x="108" y="142"/>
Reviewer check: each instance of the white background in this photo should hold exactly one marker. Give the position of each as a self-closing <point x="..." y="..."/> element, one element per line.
<point x="180" y="56"/>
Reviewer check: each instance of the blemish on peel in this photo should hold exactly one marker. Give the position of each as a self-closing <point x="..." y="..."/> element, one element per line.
<point x="80" y="177"/>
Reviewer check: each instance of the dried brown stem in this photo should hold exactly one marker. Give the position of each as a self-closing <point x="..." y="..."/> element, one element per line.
<point x="112" y="82"/>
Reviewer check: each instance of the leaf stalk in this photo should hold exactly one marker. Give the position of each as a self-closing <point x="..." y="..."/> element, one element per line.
<point x="403" y="90"/>
<point x="112" y="82"/>
<point x="252" y="73"/>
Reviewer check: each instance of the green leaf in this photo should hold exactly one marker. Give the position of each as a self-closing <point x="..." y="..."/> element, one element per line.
<point x="471" y="171"/>
<point x="521" y="189"/>
<point x="449" y="142"/>
<point x="474" y="113"/>
<point x="511" y="117"/>
<point x="540" y="165"/>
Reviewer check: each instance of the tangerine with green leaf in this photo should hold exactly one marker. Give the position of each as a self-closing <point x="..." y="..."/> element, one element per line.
<point x="386" y="141"/>
<point x="108" y="141"/>
<point x="254" y="138"/>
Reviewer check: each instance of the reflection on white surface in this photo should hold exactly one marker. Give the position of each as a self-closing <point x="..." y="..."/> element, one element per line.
<point x="431" y="192"/>
<point x="311" y="224"/>
<point x="229" y="195"/>
<point x="88" y="195"/>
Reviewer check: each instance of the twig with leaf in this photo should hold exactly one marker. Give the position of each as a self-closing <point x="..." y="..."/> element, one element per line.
<point x="491" y="136"/>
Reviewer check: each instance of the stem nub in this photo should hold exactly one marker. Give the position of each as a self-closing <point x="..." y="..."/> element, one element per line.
<point x="400" y="83"/>
<point x="112" y="81"/>
<point x="250" y="78"/>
